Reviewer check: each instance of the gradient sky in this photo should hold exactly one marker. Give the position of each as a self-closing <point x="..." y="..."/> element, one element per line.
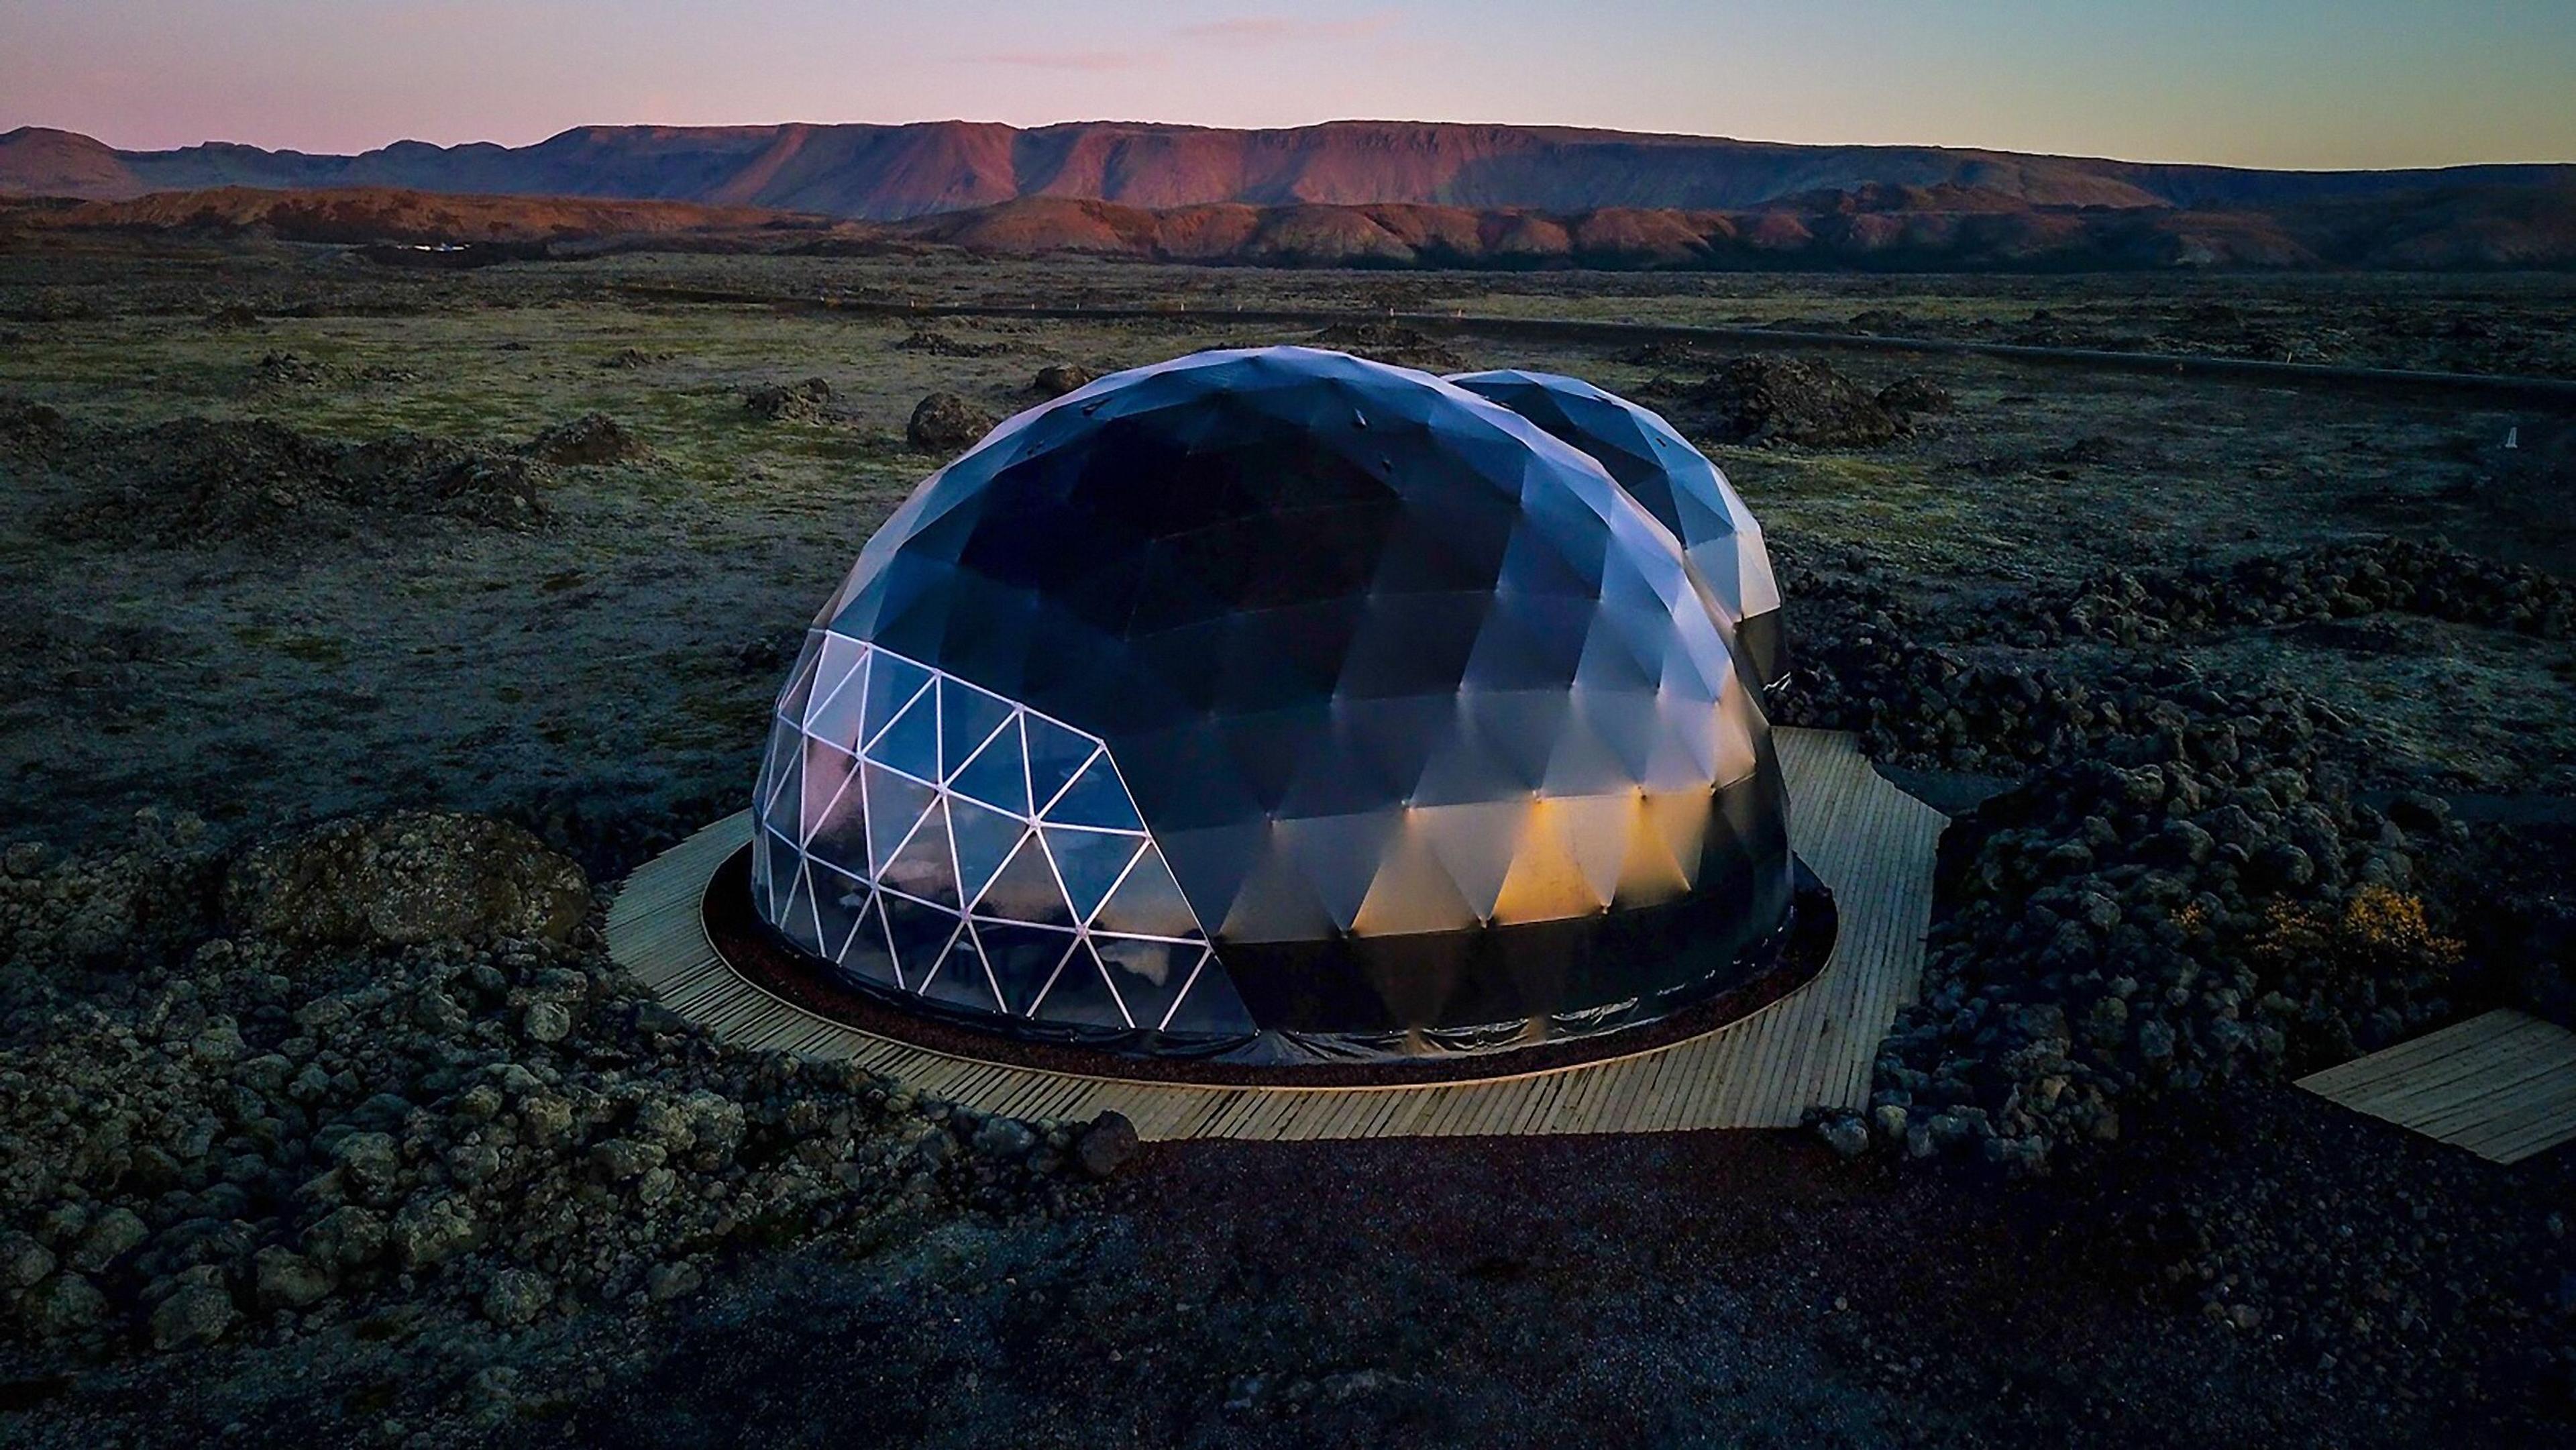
<point x="2297" y="83"/>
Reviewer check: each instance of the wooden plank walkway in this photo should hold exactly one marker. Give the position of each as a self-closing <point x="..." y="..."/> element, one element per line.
<point x="2502" y="1085"/>
<point x="1872" y="843"/>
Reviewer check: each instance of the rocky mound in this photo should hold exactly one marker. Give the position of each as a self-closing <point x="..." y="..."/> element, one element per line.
<point x="591" y="438"/>
<point x="278" y="371"/>
<point x="1929" y="688"/>
<point x="943" y="422"/>
<point x="1909" y="397"/>
<point x="379" y="215"/>
<point x="195" y="481"/>
<point x="810" y="401"/>
<point x="385" y="1083"/>
<point x="1766" y="401"/>
<point x="1057" y="379"/>
<point x="2338" y="582"/>
<point x="2183" y="892"/>
<point x="1390" y="342"/>
<point x="1664" y="352"/>
<point x="407" y="878"/>
<point x="2113" y="935"/>
<point x="2515" y="911"/>
<point x="1921" y="705"/>
<point x="940" y="344"/>
<point x="31" y="430"/>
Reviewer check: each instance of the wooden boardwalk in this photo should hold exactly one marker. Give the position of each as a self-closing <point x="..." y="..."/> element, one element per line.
<point x="2502" y="1085"/>
<point x="1872" y="843"/>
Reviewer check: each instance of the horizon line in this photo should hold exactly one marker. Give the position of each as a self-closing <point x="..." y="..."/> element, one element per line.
<point x="1302" y="126"/>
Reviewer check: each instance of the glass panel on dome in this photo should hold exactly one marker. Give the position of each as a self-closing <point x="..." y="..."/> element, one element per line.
<point x="838" y="898"/>
<point x="867" y="957"/>
<point x="760" y="897"/>
<point x="967" y="718"/>
<point x="922" y="868"/>
<point x="894" y="803"/>
<point x="1149" y="975"/>
<point x="827" y="769"/>
<point x="997" y="776"/>
<point x="911" y="743"/>
<point x="961" y="980"/>
<point x="1096" y="798"/>
<point x="985" y="839"/>
<point x="800" y="680"/>
<point x="1148" y="902"/>
<point x="784" y="745"/>
<point x="796" y="918"/>
<point x="838" y="717"/>
<point x="1089" y="863"/>
<point x="834" y="671"/>
<point x="1082" y="994"/>
<point x="789" y="794"/>
<point x="1025" y="890"/>
<point x="1055" y="753"/>
<point x="1024" y="959"/>
<point x="920" y="935"/>
<point x="1210" y="1004"/>
<point x="841" y="837"/>
<point x="892" y="683"/>
<point x="781" y="875"/>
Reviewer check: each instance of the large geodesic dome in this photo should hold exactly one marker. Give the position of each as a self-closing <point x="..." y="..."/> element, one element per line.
<point x="1677" y="484"/>
<point x="1274" y="705"/>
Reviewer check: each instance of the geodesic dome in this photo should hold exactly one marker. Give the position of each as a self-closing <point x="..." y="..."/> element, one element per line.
<point x="1274" y="704"/>
<point x="1677" y="484"/>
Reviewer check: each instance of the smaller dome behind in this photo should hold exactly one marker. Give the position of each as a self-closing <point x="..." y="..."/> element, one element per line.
<point x="1674" y="481"/>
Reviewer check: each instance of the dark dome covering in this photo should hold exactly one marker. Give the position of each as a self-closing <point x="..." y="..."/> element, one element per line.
<point x="1678" y="485"/>
<point x="1275" y="704"/>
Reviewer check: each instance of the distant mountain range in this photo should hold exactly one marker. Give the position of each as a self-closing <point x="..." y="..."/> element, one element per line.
<point x="1419" y="193"/>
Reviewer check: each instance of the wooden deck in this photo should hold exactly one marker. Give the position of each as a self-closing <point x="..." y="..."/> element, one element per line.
<point x="2502" y="1085"/>
<point x="1872" y="843"/>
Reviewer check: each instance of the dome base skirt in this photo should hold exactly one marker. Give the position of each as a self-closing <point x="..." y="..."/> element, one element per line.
<point x="1747" y="980"/>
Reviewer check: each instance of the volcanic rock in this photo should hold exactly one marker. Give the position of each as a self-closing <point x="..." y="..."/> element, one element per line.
<point x="940" y="344"/>
<point x="1057" y="379"/>
<point x="589" y="439"/>
<point x="289" y="1280"/>
<point x="199" y="1313"/>
<point x="1773" y="400"/>
<point x="62" y="1305"/>
<point x="264" y="1131"/>
<point x="194" y="481"/>
<point x="945" y="421"/>
<point x="1107" y="1145"/>
<point x="1915" y="394"/>
<point x="516" y="1296"/>
<point x="415" y="876"/>
<point x="807" y="402"/>
<point x="1390" y="342"/>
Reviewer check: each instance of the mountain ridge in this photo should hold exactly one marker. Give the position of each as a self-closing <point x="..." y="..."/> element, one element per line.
<point x="918" y="169"/>
<point x="1877" y="227"/>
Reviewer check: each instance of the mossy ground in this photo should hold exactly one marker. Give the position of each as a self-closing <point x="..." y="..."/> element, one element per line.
<point x="603" y="654"/>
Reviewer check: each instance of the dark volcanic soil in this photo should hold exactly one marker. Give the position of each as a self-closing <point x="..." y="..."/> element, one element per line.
<point x="1703" y="1289"/>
